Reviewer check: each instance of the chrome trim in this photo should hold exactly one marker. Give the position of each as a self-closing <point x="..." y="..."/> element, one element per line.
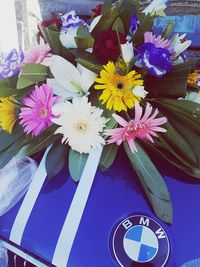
<point x="23" y="255"/>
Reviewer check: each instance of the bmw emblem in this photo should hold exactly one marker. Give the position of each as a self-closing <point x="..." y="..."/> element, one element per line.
<point x="140" y="241"/>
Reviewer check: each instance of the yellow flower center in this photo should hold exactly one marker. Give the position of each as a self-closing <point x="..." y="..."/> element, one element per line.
<point x="81" y="127"/>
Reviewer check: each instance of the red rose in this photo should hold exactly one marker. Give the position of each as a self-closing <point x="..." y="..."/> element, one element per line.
<point x="106" y="46"/>
<point x="97" y="10"/>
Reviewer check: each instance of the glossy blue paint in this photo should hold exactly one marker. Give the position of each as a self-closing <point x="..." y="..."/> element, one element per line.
<point x="115" y="195"/>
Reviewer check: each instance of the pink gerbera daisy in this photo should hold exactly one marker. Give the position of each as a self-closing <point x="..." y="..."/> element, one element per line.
<point x="37" y="115"/>
<point x="142" y="127"/>
<point x="159" y="42"/>
<point x="37" y="53"/>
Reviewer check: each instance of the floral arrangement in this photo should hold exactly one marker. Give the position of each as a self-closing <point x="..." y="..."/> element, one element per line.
<point x="108" y="80"/>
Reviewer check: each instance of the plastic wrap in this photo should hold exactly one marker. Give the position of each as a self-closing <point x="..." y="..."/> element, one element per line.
<point x="3" y="257"/>
<point x="15" y="179"/>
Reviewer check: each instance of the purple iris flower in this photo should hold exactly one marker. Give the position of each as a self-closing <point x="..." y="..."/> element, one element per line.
<point x="135" y="24"/>
<point x="10" y="63"/>
<point x="71" y="20"/>
<point x="156" y="60"/>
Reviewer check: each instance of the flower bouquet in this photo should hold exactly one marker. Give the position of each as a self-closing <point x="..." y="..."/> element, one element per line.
<point x="105" y="81"/>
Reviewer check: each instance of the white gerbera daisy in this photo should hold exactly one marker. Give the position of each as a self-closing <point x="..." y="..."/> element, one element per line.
<point x="80" y="124"/>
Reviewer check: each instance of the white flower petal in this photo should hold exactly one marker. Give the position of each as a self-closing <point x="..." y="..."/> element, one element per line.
<point x="154" y="4"/>
<point x="67" y="38"/>
<point x="64" y="72"/>
<point x="94" y="23"/>
<point x="179" y="45"/>
<point x="138" y="90"/>
<point x="61" y="91"/>
<point x="192" y="96"/>
<point x="87" y="77"/>
<point x="127" y="51"/>
<point x="81" y="124"/>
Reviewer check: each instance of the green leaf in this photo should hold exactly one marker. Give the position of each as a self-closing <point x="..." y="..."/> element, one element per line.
<point x="31" y="74"/>
<point x="168" y="30"/>
<point x="84" y="42"/>
<point x="8" y="139"/>
<point x="4" y="83"/>
<point x="89" y="65"/>
<point x="128" y="8"/>
<point x="77" y="163"/>
<point x="38" y="144"/>
<point x="106" y="6"/>
<point x="52" y="37"/>
<point x="152" y="182"/>
<point x="56" y="158"/>
<point x="173" y="84"/>
<point x="7" y="154"/>
<point x="108" y="156"/>
<point x="6" y="91"/>
<point x="105" y="22"/>
<point x="118" y="26"/>
<point x="146" y="23"/>
<point x="182" y="139"/>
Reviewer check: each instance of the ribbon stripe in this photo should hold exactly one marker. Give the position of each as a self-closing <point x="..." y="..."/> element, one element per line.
<point x="76" y="210"/>
<point x="29" y="202"/>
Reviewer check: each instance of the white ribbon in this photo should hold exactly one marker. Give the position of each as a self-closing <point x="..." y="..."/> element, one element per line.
<point x="77" y="207"/>
<point x="28" y="202"/>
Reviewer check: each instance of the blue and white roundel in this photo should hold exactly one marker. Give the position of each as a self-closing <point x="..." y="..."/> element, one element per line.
<point x="140" y="241"/>
<point x="140" y="244"/>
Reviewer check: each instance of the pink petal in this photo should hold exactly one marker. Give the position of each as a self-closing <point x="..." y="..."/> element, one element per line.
<point x="120" y="120"/>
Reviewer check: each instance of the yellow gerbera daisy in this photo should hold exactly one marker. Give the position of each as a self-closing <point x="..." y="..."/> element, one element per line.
<point x="193" y="77"/>
<point x="118" y="89"/>
<point x="7" y="114"/>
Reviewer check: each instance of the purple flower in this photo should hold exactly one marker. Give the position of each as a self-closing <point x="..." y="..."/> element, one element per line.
<point x="10" y="63"/>
<point x="135" y="24"/>
<point x="156" y="60"/>
<point x="71" y="20"/>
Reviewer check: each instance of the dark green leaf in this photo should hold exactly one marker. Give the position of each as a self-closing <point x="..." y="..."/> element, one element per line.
<point x="84" y="42"/>
<point x="173" y="84"/>
<point x="56" y="158"/>
<point x="152" y="182"/>
<point x="105" y="22"/>
<point x="36" y="145"/>
<point x="89" y="65"/>
<point x="7" y="154"/>
<point x="106" y="6"/>
<point x="52" y="37"/>
<point x="8" y="139"/>
<point x="182" y="139"/>
<point x="108" y="156"/>
<point x="118" y="26"/>
<point x="146" y="23"/>
<point x="77" y="163"/>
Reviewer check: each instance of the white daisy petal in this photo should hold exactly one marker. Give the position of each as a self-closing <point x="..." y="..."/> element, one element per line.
<point x="81" y="124"/>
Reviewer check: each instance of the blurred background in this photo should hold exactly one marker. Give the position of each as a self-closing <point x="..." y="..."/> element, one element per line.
<point x="18" y="19"/>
